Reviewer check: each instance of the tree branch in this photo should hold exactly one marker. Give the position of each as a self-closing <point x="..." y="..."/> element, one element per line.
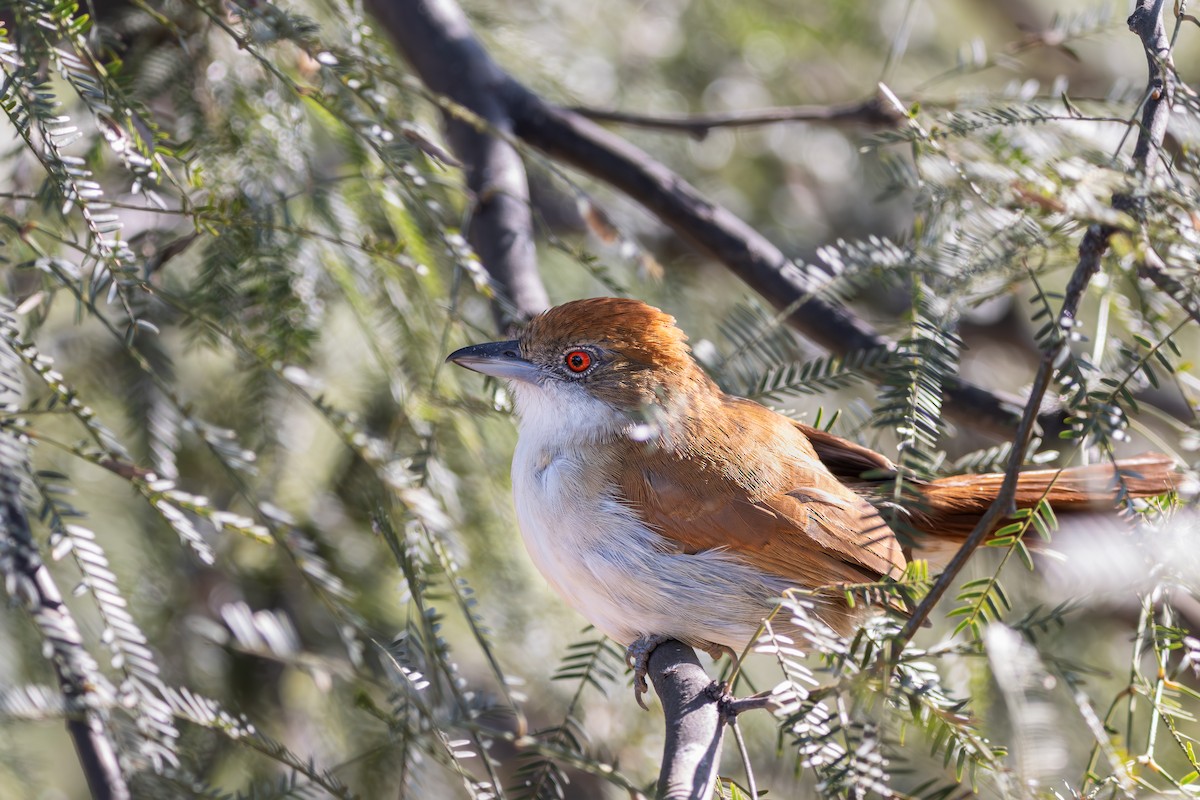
<point x="77" y="672"/>
<point x="436" y="38"/>
<point x="694" y="723"/>
<point x="872" y="111"/>
<point x="716" y="231"/>
<point x="1146" y="22"/>
<point x="84" y="687"/>
<point x="1091" y="249"/>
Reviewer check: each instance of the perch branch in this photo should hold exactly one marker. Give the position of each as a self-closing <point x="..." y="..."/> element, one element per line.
<point x="694" y="723"/>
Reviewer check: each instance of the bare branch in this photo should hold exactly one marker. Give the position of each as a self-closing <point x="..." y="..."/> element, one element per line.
<point x="1146" y="21"/>
<point x="436" y="39"/>
<point x="1155" y="114"/>
<point x="872" y="112"/>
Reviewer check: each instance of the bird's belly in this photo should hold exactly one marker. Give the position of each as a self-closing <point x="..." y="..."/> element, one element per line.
<point x="622" y="576"/>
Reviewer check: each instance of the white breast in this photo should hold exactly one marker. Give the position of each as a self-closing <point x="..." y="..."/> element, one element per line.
<point x="620" y="575"/>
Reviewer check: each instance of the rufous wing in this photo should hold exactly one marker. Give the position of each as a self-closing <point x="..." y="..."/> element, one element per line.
<point x="845" y="459"/>
<point x="768" y="501"/>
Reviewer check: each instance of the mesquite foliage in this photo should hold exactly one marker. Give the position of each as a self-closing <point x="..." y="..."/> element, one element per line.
<point x="257" y="541"/>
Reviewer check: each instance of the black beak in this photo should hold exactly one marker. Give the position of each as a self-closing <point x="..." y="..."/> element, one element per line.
<point x="498" y="359"/>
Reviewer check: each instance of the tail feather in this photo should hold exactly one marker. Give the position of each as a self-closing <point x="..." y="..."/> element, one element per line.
<point x="953" y="505"/>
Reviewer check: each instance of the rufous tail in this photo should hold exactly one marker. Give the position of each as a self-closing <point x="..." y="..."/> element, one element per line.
<point x="953" y="505"/>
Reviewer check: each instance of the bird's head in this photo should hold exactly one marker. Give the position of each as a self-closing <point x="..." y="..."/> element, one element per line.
<point x="621" y="353"/>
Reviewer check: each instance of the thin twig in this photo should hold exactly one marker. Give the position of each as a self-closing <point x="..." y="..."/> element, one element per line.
<point x="1146" y="21"/>
<point x="899" y="43"/>
<point x="751" y="788"/>
<point x="870" y="112"/>
<point x="736" y="706"/>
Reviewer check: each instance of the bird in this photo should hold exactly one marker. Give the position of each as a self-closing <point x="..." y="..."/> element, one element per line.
<point x="660" y="507"/>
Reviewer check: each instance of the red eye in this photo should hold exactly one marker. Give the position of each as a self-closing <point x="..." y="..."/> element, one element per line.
<point x="578" y="360"/>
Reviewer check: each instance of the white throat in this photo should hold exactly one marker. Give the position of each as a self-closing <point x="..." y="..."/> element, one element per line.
<point x="554" y="411"/>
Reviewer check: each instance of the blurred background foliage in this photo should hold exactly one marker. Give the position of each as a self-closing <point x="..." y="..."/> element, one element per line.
<point x="233" y="264"/>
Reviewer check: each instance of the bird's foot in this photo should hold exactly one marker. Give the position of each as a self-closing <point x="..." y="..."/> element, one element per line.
<point x="637" y="656"/>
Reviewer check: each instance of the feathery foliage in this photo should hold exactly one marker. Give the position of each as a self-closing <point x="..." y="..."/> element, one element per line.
<point x="257" y="538"/>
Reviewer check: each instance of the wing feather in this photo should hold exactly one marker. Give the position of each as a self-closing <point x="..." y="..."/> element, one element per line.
<point x="787" y="515"/>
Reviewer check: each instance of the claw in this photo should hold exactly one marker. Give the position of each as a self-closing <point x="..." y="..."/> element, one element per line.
<point x="637" y="657"/>
<point x="717" y="650"/>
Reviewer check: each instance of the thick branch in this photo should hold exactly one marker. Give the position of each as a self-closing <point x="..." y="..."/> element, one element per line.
<point x="715" y="230"/>
<point x="873" y="112"/>
<point x="694" y="723"/>
<point x="435" y="37"/>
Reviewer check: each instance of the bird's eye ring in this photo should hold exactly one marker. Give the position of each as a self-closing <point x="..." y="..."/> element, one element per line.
<point x="578" y="360"/>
